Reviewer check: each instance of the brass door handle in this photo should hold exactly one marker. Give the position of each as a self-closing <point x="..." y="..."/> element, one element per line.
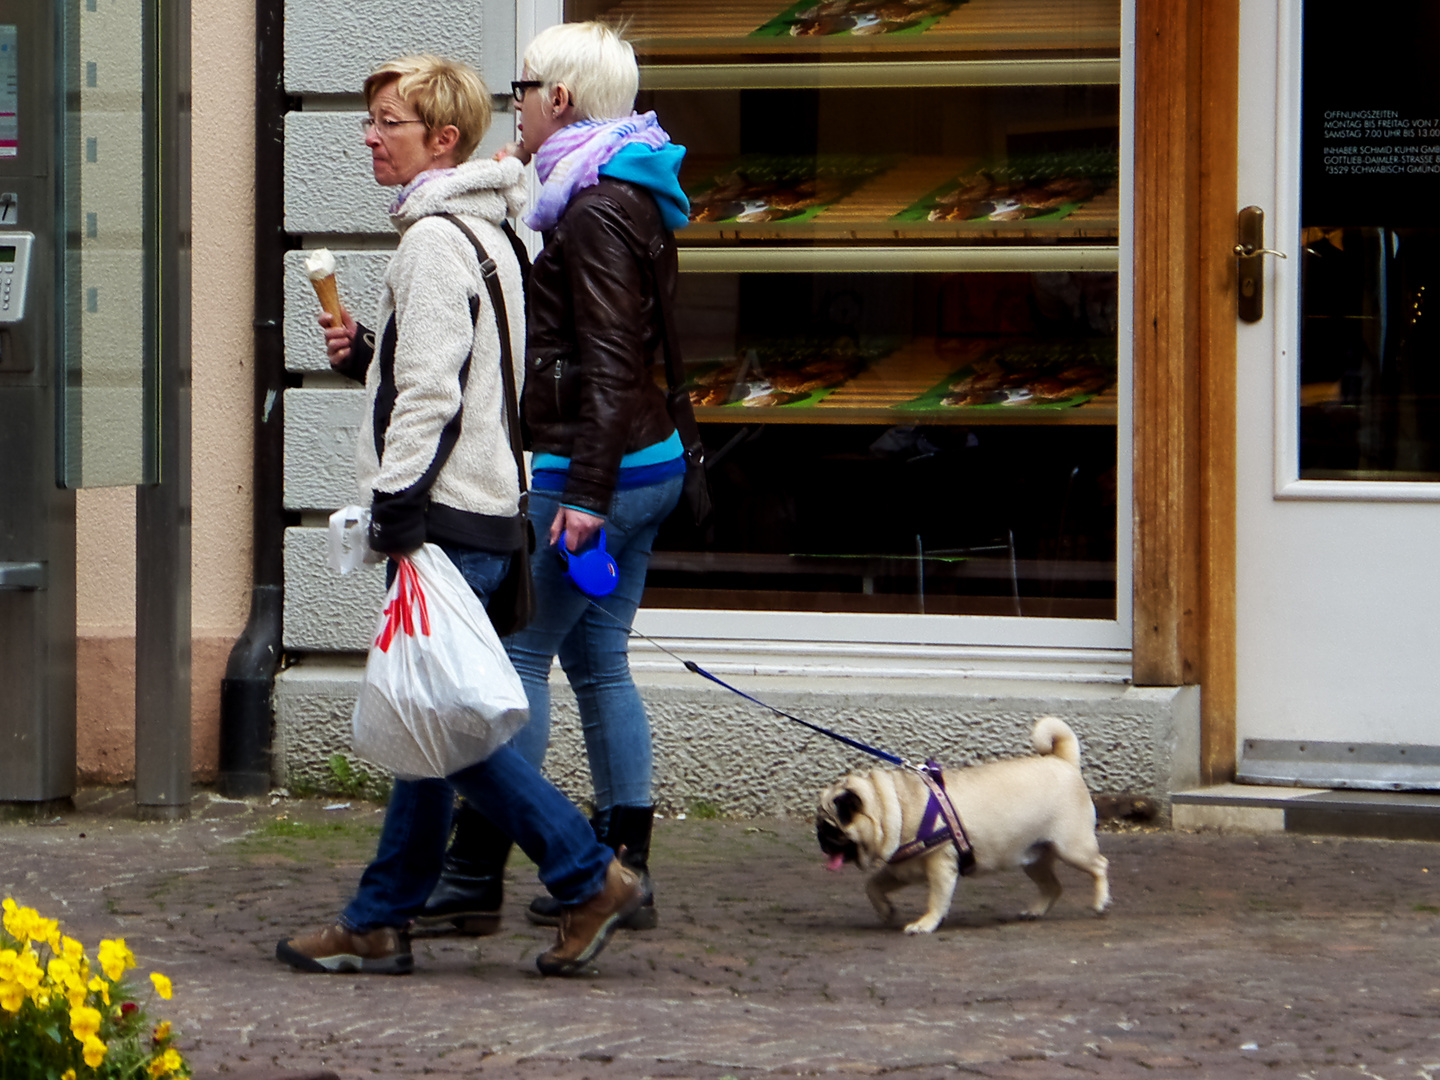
<point x="1249" y="266"/>
<point x="1245" y="251"/>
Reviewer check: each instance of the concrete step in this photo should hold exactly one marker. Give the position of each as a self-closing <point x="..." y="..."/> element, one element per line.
<point x="1392" y="815"/>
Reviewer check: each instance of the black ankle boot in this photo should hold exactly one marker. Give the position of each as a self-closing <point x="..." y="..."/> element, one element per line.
<point x="545" y="910"/>
<point x="468" y="895"/>
<point x="626" y="831"/>
<point x="629" y="837"/>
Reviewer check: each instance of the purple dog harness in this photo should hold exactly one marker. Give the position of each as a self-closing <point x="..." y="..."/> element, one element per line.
<point x="939" y="825"/>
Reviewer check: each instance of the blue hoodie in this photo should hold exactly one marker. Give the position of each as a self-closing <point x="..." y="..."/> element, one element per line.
<point x="658" y="171"/>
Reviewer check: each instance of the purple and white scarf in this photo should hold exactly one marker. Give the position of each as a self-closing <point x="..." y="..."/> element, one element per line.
<point x="414" y="185"/>
<point x="572" y="157"/>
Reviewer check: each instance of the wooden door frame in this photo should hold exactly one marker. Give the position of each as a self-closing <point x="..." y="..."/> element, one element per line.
<point x="1186" y="99"/>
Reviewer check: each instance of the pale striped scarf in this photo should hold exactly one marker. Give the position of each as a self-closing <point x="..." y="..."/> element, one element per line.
<point x="571" y="159"/>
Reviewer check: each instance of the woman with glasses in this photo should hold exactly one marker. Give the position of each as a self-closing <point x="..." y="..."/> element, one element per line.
<point x="606" y="451"/>
<point x="434" y="460"/>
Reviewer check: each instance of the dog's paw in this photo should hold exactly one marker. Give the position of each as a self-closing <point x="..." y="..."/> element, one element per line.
<point x="926" y="924"/>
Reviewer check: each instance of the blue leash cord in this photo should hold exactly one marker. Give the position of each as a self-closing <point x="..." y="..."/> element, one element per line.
<point x="690" y="665"/>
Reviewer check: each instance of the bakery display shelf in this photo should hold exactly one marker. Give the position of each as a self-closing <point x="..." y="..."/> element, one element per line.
<point x="869" y="214"/>
<point x="839" y="74"/>
<point x="886" y="392"/>
<point x="982" y="563"/>
<point x="669" y="30"/>
<point x="944" y="259"/>
<point x="732" y="598"/>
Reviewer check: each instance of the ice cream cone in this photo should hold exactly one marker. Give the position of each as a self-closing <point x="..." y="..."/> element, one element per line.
<point x="330" y="297"/>
<point x="320" y="269"/>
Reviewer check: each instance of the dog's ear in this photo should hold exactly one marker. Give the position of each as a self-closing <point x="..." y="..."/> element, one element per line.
<point x="847" y="805"/>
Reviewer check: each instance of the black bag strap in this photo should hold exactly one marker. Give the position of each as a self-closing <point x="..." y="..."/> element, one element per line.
<point x="491" y="275"/>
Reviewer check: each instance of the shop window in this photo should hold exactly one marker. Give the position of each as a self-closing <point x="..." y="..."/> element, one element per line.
<point x="898" y="300"/>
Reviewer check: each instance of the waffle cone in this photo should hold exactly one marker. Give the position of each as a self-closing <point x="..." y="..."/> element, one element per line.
<point x="330" y="298"/>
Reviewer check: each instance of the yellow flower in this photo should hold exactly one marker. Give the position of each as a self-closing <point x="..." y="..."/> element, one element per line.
<point x="12" y="996"/>
<point x="8" y="957"/>
<point x="76" y="995"/>
<point x="68" y="1074"/>
<point x="162" y="984"/>
<point x="84" y="1022"/>
<point x="115" y="958"/>
<point x="101" y="987"/>
<point x="20" y="922"/>
<point x="72" y="951"/>
<point x="162" y="1031"/>
<point x="94" y="1052"/>
<point x="167" y="1062"/>
<point x="27" y="970"/>
<point x="12" y="919"/>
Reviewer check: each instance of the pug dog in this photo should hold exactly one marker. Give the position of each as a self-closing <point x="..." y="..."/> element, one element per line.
<point x="1021" y="813"/>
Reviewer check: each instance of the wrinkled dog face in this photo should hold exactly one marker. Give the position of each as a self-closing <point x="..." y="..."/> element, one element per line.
<point x="838" y="808"/>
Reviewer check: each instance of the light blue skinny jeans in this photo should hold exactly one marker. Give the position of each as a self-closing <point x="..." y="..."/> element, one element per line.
<point x="593" y="644"/>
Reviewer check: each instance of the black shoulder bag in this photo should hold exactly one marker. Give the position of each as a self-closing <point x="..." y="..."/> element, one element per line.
<point x="512" y="604"/>
<point x="696" y="491"/>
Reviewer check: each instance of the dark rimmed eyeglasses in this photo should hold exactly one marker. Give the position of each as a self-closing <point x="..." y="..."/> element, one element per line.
<point x="519" y="86"/>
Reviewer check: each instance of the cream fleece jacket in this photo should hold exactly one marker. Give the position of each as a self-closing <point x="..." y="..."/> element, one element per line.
<point x="434" y="454"/>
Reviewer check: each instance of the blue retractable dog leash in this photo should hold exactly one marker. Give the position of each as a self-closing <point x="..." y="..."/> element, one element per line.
<point x="690" y="665"/>
<point x="939" y="825"/>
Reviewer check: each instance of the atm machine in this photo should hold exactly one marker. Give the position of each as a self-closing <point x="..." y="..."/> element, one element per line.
<point x="37" y="513"/>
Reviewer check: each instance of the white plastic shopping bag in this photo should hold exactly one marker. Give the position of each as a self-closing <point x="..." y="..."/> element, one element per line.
<point x="439" y="691"/>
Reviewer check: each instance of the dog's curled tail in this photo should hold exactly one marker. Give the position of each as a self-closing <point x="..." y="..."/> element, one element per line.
<point x="1053" y="736"/>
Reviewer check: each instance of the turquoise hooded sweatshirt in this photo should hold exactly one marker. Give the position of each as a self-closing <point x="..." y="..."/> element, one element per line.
<point x="658" y="171"/>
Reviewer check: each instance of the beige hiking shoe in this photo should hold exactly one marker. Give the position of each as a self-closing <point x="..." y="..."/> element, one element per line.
<point x="586" y="927"/>
<point x="335" y="951"/>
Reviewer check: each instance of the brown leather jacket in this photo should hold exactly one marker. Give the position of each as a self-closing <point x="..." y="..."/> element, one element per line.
<point x="594" y="336"/>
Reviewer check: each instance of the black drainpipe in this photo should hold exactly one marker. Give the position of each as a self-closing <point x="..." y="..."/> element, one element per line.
<point x="245" y="709"/>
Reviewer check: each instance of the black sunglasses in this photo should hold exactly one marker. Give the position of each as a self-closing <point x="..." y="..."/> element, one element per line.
<point x="519" y="86"/>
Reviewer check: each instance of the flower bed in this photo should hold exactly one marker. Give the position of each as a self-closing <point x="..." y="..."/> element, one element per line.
<point x="61" y="1019"/>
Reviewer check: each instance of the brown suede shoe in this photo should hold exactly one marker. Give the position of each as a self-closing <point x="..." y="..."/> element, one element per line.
<point x="586" y="927"/>
<point x="335" y="950"/>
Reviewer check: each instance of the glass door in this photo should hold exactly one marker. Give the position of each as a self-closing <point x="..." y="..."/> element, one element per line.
<point x="1337" y="397"/>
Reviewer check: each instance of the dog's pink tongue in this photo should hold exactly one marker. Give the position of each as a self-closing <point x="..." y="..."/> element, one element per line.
<point x="836" y="862"/>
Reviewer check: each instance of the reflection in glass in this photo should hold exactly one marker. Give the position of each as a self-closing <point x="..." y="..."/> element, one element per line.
<point x="107" y="408"/>
<point x="1370" y="358"/>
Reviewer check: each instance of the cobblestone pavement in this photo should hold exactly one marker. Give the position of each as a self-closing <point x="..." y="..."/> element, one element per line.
<point x="1224" y="956"/>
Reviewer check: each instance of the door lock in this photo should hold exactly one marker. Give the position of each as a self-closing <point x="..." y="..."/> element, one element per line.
<point x="1250" y="271"/>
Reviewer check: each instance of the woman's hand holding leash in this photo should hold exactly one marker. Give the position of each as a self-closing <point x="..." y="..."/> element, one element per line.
<point x="576" y="526"/>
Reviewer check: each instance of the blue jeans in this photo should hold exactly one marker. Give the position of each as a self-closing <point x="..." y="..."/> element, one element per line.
<point x="593" y="646"/>
<point x="504" y="787"/>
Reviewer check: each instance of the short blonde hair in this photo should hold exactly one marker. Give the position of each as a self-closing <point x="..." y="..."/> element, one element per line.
<point x="441" y="92"/>
<point x="593" y="62"/>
